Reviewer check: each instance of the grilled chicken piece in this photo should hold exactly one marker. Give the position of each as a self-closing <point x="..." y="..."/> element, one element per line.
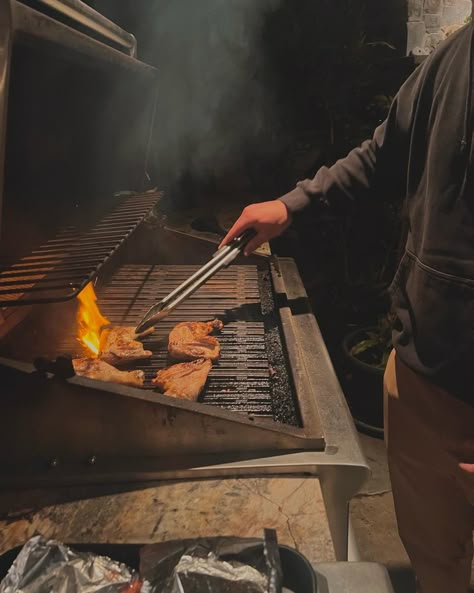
<point x="191" y="340"/>
<point x="118" y="345"/>
<point x="185" y="380"/>
<point x="93" y="368"/>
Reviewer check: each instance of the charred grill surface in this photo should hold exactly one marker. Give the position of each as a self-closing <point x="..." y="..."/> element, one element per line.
<point x="251" y="374"/>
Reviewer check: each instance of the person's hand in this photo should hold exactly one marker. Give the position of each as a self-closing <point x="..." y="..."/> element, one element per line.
<point x="466" y="456"/>
<point x="269" y="219"/>
<point x="467" y="467"/>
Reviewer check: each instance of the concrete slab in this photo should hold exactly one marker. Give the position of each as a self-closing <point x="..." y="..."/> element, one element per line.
<point x="242" y="507"/>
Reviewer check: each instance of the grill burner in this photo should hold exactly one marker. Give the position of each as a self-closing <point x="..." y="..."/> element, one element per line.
<point x="251" y="375"/>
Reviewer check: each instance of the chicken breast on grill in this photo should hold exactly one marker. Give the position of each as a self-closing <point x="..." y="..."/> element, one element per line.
<point x="93" y="368"/>
<point x="119" y="345"/>
<point x="185" y="380"/>
<point x="191" y="340"/>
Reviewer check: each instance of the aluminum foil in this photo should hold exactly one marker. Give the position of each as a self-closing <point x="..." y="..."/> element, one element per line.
<point x="48" y="566"/>
<point x="193" y="575"/>
<point x="214" y="565"/>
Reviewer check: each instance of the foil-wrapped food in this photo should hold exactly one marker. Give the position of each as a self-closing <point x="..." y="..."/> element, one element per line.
<point x="49" y="566"/>
<point x="194" y="575"/>
<point x="220" y="565"/>
<point x="217" y="565"/>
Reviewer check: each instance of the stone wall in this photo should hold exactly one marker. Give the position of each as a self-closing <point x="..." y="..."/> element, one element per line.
<point x="431" y="21"/>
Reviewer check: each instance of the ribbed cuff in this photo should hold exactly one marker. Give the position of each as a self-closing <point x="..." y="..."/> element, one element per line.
<point x="296" y="200"/>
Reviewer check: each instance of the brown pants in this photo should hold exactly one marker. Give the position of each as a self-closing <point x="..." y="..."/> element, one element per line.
<point x="428" y="432"/>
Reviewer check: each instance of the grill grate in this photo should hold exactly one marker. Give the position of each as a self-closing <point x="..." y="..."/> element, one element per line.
<point x="59" y="269"/>
<point x="251" y="375"/>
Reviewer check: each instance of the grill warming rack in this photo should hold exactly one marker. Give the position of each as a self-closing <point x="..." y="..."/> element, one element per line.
<point x="60" y="268"/>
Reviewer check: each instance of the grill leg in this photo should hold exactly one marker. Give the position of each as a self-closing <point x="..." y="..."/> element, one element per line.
<point x="338" y="485"/>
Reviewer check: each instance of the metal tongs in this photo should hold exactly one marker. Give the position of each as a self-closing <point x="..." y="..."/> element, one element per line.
<point x="221" y="259"/>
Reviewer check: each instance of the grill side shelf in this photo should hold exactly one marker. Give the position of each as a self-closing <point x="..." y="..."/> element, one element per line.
<point x="60" y="268"/>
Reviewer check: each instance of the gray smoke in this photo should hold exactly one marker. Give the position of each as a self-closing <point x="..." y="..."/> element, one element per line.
<point x="212" y="100"/>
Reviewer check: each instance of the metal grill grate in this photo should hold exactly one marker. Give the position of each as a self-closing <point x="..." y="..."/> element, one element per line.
<point x="251" y="374"/>
<point x="59" y="269"/>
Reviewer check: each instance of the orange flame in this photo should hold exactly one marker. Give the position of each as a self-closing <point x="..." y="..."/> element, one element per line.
<point x="89" y="319"/>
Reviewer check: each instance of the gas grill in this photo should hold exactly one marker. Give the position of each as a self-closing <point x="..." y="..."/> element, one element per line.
<point x="272" y="404"/>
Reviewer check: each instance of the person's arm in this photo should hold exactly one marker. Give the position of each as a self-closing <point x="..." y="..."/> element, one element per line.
<point x="379" y="162"/>
<point x="350" y="178"/>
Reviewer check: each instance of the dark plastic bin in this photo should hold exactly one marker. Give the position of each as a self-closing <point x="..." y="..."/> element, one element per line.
<point x="298" y="574"/>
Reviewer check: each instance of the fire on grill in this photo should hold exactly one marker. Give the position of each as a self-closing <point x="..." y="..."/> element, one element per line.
<point x="115" y="345"/>
<point x="90" y="320"/>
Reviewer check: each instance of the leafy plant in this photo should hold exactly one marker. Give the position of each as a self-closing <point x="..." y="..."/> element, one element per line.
<point x="376" y="346"/>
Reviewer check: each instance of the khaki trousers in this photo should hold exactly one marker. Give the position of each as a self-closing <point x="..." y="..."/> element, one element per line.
<point x="428" y="433"/>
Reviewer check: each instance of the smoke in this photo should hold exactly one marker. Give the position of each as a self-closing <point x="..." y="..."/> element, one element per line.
<point x="213" y="100"/>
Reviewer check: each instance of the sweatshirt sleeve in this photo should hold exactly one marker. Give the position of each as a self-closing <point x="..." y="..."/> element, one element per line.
<point x="383" y="158"/>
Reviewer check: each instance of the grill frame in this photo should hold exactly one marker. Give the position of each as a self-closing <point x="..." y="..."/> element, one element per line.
<point x="252" y="307"/>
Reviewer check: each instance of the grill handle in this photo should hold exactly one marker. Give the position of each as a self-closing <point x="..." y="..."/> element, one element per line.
<point x="221" y="259"/>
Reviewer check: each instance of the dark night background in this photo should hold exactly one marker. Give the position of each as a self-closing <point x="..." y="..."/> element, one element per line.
<point x="246" y="85"/>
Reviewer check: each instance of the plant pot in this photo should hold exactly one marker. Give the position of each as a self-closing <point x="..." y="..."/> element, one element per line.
<point x="363" y="387"/>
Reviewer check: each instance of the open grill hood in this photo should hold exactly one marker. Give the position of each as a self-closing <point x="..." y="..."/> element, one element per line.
<point x="77" y="111"/>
